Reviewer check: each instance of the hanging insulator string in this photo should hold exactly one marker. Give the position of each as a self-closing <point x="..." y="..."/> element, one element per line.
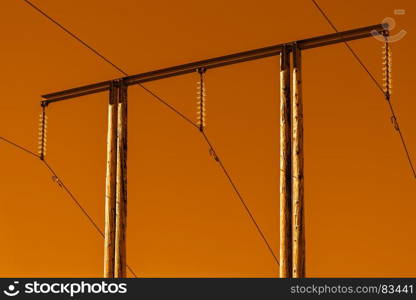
<point x="387" y="76"/>
<point x="201" y="100"/>
<point x="43" y="123"/>
<point x="387" y="67"/>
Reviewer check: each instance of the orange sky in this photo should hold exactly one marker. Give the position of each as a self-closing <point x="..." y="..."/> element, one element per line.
<point x="184" y="219"/>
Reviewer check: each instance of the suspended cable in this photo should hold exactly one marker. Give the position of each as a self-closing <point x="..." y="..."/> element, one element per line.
<point x="61" y="184"/>
<point x="19" y="147"/>
<point x="240" y="197"/>
<point x="169" y="106"/>
<point x="74" y="36"/>
<point x="393" y="117"/>
<point x="56" y="179"/>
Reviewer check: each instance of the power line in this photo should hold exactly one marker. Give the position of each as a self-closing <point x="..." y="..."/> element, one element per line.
<point x="349" y="47"/>
<point x="67" y="190"/>
<point x="359" y="60"/>
<point x="86" y="214"/>
<point x="170" y="107"/>
<point x="17" y="146"/>
<point x="60" y="182"/>
<point x="73" y="35"/>
<point x="243" y="202"/>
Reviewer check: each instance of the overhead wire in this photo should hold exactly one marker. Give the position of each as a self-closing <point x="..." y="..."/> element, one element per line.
<point x="392" y="111"/>
<point x="86" y="214"/>
<point x="73" y="35"/>
<point x="59" y="181"/>
<point x="240" y="197"/>
<point x="18" y="146"/>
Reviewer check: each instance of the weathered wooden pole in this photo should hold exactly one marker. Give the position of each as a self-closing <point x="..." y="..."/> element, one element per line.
<point x="110" y="185"/>
<point x="285" y="167"/>
<point x="121" y="190"/>
<point x="297" y="170"/>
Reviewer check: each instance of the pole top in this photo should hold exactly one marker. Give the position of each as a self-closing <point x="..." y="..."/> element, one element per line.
<point x="201" y="70"/>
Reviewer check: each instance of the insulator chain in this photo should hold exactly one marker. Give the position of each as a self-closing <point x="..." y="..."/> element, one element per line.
<point x="201" y="100"/>
<point x="387" y="68"/>
<point x="42" y="134"/>
<point x="387" y="75"/>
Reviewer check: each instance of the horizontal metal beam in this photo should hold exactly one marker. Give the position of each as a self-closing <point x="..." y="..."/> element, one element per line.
<point x="82" y="92"/>
<point x="216" y="62"/>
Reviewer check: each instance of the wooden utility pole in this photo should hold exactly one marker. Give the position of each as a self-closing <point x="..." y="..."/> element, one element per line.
<point x="121" y="191"/>
<point x="116" y="183"/>
<point x="285" y="167"/>
<point x="110" y="185"/>
<point x="297" y="169"/>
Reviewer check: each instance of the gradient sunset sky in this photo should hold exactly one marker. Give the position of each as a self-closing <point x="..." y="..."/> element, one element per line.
<point x="184" y="219"/>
